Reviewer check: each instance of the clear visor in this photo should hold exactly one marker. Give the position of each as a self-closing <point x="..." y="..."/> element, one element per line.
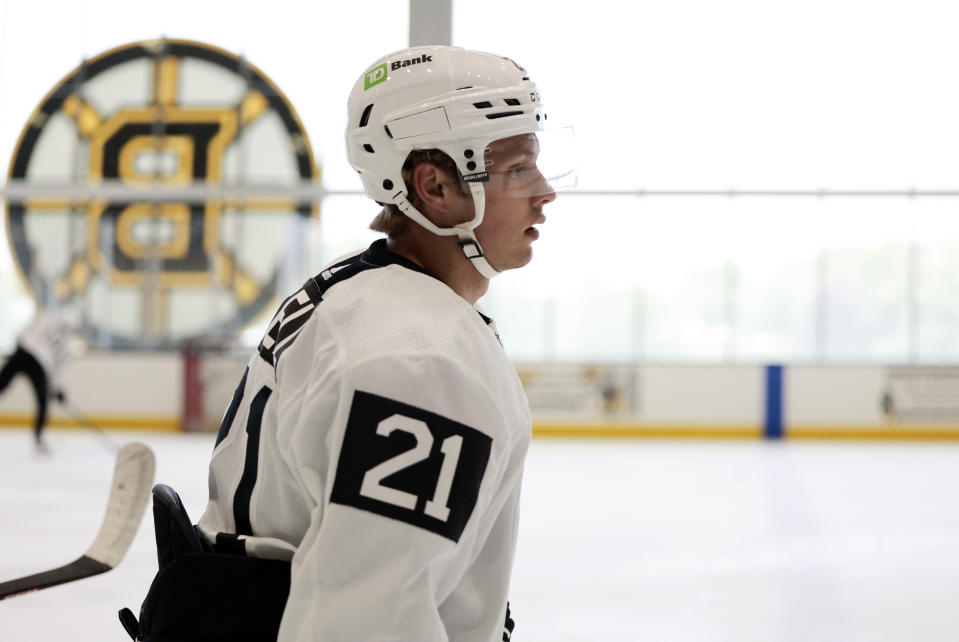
<point x="533" y="164"/>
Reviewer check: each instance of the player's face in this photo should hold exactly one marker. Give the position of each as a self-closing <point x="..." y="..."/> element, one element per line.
<point x="515" y="196"/>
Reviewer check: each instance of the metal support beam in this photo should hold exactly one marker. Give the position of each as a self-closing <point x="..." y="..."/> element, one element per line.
<point x="18" y="190"/>
<point x="431" y="22"/>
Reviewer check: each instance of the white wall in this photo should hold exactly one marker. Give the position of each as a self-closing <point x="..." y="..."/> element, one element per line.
<point x="119" y="389"/>
<point x="850" y="395"/>
<point x="701" y="395"/>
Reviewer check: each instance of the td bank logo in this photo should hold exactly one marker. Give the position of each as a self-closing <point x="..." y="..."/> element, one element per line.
<point x="163" y="113"/>
<point x="378" y="74"/>
<point x="374" y="77"/>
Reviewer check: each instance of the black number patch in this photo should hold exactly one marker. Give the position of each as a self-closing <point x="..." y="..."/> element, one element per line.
<point x="410" y="464"/>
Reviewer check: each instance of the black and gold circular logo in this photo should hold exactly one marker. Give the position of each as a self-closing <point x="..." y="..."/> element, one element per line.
<point x="169" y="113"/>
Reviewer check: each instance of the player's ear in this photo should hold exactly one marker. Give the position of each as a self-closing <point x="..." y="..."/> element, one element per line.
<point x="437" y="193"/>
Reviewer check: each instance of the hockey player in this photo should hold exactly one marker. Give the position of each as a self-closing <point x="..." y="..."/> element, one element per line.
<point x="378" y="435"/>
<point x="43" y="350"/>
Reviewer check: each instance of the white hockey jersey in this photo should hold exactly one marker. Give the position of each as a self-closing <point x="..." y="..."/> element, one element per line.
<point x="49" y="338"/>
<point x="377" y="438"/>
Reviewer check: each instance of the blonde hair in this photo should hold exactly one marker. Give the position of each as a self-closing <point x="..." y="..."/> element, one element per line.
<point x="391" y="221"/>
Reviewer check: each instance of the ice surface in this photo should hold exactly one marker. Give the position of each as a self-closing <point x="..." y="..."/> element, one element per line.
<point x="665" y="541"/>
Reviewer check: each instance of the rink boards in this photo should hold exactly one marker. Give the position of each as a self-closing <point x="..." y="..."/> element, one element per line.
<point x="147" y="390"/>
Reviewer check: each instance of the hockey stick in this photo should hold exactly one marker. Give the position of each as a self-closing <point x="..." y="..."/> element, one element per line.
<point x="85" y="421"/>
<point x="129" y="492"/>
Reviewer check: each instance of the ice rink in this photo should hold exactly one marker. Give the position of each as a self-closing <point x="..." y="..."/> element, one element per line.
<point x="666" y="541"/>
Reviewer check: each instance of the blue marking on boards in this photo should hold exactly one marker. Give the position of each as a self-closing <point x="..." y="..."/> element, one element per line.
<point x="774" y="402"/>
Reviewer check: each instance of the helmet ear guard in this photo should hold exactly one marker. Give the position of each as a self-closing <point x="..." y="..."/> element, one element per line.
<point x="464" y="231"/>
<point x="445" y="98"/>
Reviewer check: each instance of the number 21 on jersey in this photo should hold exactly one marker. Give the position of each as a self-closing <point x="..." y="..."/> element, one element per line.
<point x="409" y="464"/>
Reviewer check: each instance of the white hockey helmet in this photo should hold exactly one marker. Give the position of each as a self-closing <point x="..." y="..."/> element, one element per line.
<point x="438" y="97"/>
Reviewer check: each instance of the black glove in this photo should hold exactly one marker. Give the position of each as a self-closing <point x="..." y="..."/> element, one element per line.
<point x="508" y="626"/>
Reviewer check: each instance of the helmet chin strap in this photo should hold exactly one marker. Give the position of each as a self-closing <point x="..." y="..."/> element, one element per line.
<point x="464" y="231"/>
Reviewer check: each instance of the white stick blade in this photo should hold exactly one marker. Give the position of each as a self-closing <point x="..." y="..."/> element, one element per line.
<point x="132" y="483"/>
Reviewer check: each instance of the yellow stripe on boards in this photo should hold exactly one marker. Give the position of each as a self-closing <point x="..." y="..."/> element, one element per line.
<point x="139" y="422"/>
<point x="903" y="432"/>
<point x="631" y="430"/>
<point x="899" y="432"/>
<point x="605" y="430"/>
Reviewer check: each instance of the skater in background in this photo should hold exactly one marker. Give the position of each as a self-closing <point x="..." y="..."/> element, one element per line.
<point x="43" y="350"/>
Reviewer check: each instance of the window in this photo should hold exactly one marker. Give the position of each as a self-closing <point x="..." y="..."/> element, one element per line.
<point x="679" y="98"/>
<point x="697" y="96"/>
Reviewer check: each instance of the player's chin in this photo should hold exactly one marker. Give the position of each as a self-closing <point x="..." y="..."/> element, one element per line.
<point x="516" y="259"/>
<point x="523" y="258"/>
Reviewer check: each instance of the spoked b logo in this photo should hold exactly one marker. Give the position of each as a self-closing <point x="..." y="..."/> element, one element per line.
<point x="165" y="113"/>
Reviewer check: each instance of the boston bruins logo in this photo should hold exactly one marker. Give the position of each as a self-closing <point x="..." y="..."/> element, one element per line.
<point x="168" y="113"/>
